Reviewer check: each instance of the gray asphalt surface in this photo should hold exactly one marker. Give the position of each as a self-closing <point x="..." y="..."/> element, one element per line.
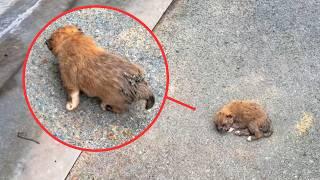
<point x="88" y="126"/>
<point x="219" y="51"/>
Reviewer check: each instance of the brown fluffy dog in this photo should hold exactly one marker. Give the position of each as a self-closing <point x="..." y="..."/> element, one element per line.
<point x="88" y="68"/>
<point x="246" y="117"/>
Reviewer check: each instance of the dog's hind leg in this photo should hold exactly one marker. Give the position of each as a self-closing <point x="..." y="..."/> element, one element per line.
<point x="254" y="129"/>
<point x="242" y="132"/>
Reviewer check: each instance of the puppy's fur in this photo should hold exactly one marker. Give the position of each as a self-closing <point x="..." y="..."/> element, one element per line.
<point x="246" y="118"/>
<point x="88" y="68"/>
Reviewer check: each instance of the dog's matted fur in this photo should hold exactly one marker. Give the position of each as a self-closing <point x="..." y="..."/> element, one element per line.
<point x="246" y="118"/>
<point x="88" y="68"/>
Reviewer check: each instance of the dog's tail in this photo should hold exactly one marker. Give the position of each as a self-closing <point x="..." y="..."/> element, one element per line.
<point x="268" y="130"/>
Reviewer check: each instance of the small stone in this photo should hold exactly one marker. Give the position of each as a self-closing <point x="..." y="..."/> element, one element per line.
<point x="44" y="61"/>
<point x="127" y="132"/>
<point x="112" y="136"/>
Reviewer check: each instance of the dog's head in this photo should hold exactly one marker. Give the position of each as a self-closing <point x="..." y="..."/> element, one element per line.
<point x="223" y="120"/>
<point x="59" y="35"/>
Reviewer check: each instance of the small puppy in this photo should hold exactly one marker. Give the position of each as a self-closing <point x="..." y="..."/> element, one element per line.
<point x="246" y="118"/>
<point x="88" y="68"/>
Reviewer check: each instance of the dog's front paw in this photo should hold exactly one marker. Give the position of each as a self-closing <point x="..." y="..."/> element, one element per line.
<point x="249" y="138"/>
<point x="70" y="106"/>
<point x="230" y="129"/>
<point x="103" y="106"/>
<point x="238" y="133"/>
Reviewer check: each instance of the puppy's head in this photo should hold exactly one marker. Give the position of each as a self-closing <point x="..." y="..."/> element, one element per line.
<point x="223" y="120"/>
<point x="61" y="34"/>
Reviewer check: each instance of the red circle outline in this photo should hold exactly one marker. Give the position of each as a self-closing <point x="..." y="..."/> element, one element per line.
<point x="117" y="10"/>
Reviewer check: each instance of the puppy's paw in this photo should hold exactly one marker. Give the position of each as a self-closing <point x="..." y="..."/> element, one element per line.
<point x="238" y="133"/>
<point x="249" y="138"/>
<point x="103" y="106"/>
<point x="231" y="129"/>
<point x="70" y="106"/>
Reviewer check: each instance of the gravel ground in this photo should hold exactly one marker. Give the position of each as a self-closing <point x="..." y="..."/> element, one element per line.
<point x="88" y="126"/>
<point x="266" y="51"/>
